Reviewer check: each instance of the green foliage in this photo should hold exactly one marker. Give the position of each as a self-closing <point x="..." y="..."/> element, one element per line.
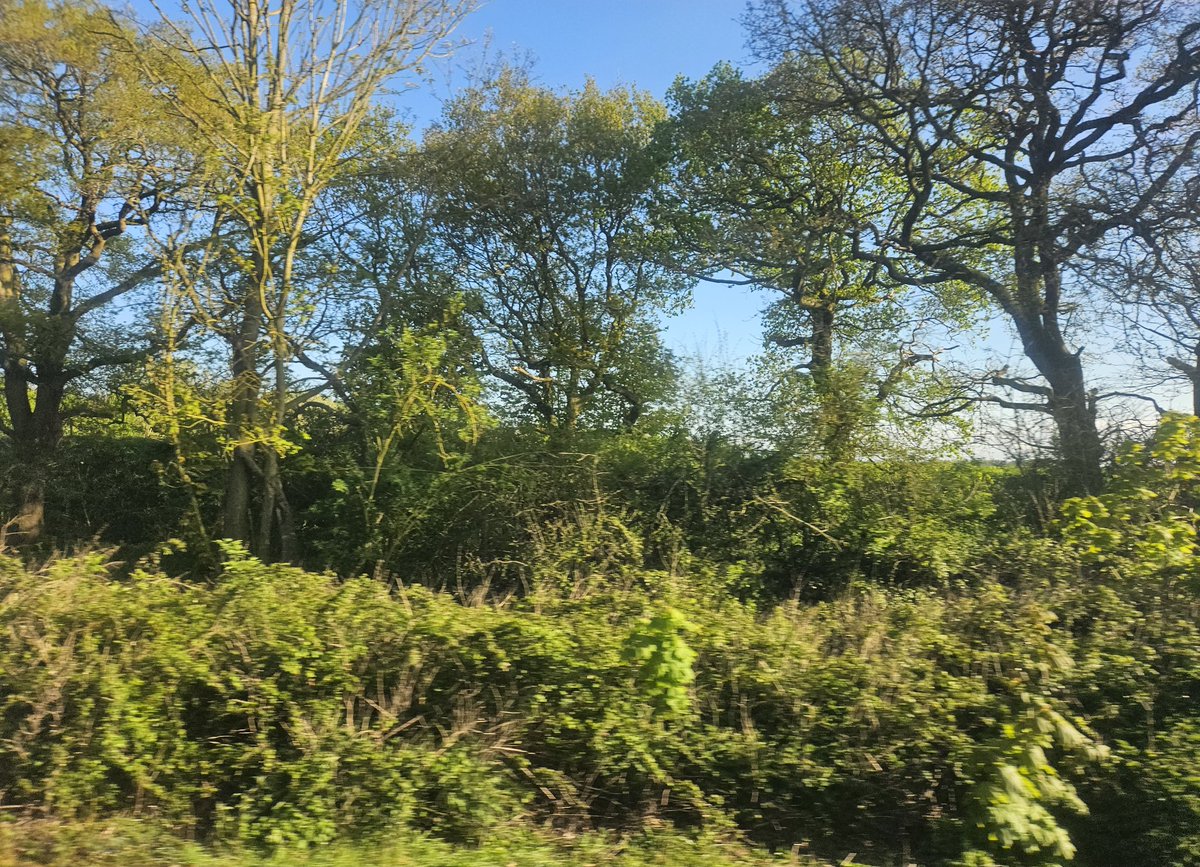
<point x="541" y="201"/>
<point x="120" y="843"/>
<point x="764" y="603"/>
<point x="1145" y="524"/>
<point x="775" y="188"/>
<point x="1137" y="543"/>
<point x="416" y="415"/>
<point x="908" y="521"/>
<point x="664" y="660"/>
<point x="645" y="671"/>
<point x="1015" y="806"/>
<point x="286" y="708"/>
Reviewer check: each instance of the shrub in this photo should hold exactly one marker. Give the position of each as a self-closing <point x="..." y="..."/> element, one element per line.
<point x="288" y="708"/>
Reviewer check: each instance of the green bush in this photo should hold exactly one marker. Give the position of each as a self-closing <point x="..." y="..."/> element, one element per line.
<point x="287" y="708"/>
<point x="1042" y="709"/>
<point x="122" y="843"/>
<point x="1137" y="618"/>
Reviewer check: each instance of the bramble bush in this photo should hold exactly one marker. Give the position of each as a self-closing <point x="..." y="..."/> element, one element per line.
<point x="288" y="708"/>
<point x="1040" y="710"/>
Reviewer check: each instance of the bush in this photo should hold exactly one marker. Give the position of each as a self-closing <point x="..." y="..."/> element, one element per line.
<point x="122" y="843"/>
<point x="287" y="708"/>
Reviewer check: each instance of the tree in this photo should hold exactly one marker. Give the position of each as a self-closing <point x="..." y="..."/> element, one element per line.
<point x="279" y="95"/>
<point x="377" y="259"/>
<point x="88" y="159"/>
<point x="1153" y="280"/>
<point x="396" y="352"/>
<point x="758" y="193"/>
<point x="542" y="205"/>
<point x="763" y="194"/>
<point x="1004" y="120"/>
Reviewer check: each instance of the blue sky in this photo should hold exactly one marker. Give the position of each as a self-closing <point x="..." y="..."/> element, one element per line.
<point x="642" y="42"/>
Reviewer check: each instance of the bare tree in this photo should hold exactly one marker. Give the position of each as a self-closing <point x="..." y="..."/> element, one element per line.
<point x="277" y="94"/>
<point x="1153" y="278"/>
<point x="1002" y="122"/>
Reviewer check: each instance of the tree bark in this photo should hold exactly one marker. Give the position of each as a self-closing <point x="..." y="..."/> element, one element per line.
<point x="1195" y="377"/>
<point x="1192" y="372"/>
<point x="36" y="419"/>
<point x="243" y="416"/>
<point x="1074" y="413"/>
<point x="821" y="359"/>
<point x="1070" y="404"/>
<point x="27" y="524"/>
<point x="235" y="506"/>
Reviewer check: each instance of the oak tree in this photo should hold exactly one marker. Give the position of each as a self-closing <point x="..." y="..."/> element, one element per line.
<point x="1004" y="120"/>
<point x="88" y="162"/>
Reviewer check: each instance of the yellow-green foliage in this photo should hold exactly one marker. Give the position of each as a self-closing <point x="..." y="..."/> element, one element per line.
<point x="123" y="843"/>
<point x="664" y="660"/>
<point x="1146" y="522"/>
<point x="1139" y="653"/>
<point x="973" y="723"/>
<point x="289" y="708"/>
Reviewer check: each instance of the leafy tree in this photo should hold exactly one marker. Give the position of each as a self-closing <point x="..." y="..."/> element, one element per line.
<point x="1145" y="523"/>
<point x="765" y="193"/>
<point x="761" y="193"/>
<point x="414" y="416"/>
<point x="1006" y="123"/>
<point x="542" y="204"/>
<point x="89" y="159"/>
<point x="1138" y="618"/>
<point x="277" y="101"/>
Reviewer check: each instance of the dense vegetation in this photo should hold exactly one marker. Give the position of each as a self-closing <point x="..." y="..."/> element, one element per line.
<point x="357" y="511"/>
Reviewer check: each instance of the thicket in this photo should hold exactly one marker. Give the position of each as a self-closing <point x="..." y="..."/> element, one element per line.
<point x="1038" y="702"/>
<point x="118" y="843"/>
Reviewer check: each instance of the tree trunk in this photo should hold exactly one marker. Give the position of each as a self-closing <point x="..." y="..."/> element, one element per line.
<point x="821" y="359"/>
<point x="1079" y="441"/>
<point x="27" y="525"/>
<point x="1192" y="372"/>
<point x="241" y="424"/>
<point x="836" y="426"/>
<point x="1071" y="407"/>
<point x="235" y="506"/>
<point x="36" y="419"/>
<point x="1036" y="316"/>
<point x="35" y="447"/>
<point x="34" y="444"/>
<point x="1194" y="376"/>
<point x="275" y="521"/>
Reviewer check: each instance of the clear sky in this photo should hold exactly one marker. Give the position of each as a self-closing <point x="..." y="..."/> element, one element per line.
<point x="642" y="42"/>
<point x="645" y="43"/>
